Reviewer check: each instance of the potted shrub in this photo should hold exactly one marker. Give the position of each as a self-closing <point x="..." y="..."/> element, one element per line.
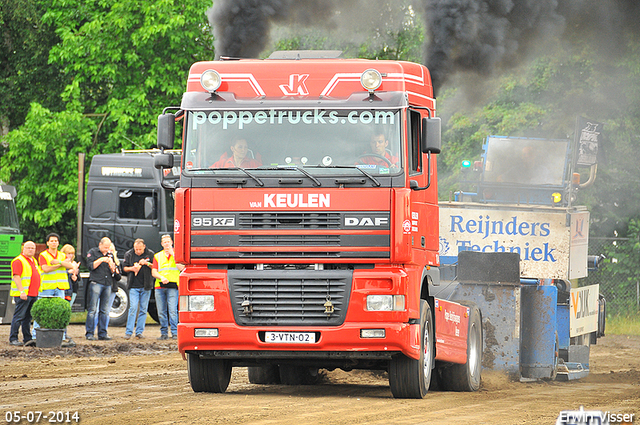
<point x="53" y="315"/>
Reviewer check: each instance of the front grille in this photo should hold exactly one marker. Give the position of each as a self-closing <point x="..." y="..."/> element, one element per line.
<point x="288" y="240"/>
<point x="275" y="234"/>
<point x="289" y="297"/>
<point x="288" y="220"/>
<point x="5" y="270"/>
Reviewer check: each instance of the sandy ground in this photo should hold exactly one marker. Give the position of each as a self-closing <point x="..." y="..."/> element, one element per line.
<point x="145" y="382"/>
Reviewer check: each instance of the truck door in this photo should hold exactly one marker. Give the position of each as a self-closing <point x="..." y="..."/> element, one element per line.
<point x="99" y="219"/>
<point x="424" y="213"/>
<point x="137" y="217"/>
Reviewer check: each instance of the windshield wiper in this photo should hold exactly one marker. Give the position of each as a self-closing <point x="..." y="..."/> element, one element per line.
<point x="294" y="167"/>
<point x="373" y="179"/>
<point x="303" y="171"/>
<point x="256" y="179"/>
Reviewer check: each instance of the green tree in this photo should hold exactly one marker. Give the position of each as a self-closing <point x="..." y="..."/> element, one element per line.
<point x="43" y="159"/>
<point x="128" y="59"/>
<point x="25" y="71"/>
<point x="620" y="273"/>
<point x="542" y="99"/>
<point x="394" y="33"/>
<point x="124" y="61"/>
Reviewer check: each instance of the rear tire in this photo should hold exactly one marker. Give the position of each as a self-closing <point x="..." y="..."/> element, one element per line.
<point x="120" y="309"/>
<point x="265" y="375"/>
<point x="466" y="377"/>
<point x="152" y="310"/>
<point x="208" y="375"/>
<point x="298" y="375"/>
<point x="410" y="378"/>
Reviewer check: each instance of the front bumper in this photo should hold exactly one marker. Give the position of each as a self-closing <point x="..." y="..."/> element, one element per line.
<point x="342" y="342"/>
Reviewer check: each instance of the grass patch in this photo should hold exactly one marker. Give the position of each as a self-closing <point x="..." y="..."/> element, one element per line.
<point x="623" y="325"/>
<point x="79" y="317"/>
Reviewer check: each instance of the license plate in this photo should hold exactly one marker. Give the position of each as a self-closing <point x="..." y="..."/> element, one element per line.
<point x="290" y="337"/>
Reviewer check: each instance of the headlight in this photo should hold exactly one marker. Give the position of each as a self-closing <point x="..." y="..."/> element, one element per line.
<point x="385" y="302"/>
<point x="210" y="80"/>
<point x="196" y="303"/>
<point x="371" y="79"/>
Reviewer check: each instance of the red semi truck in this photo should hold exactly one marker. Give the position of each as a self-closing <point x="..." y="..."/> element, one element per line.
<point x="307" y="218"/>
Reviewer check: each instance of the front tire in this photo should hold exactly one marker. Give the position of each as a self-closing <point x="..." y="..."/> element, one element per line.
<point x="466" y="377"/>
<point x="208" y="375"/>
<point x="410" y="378"/>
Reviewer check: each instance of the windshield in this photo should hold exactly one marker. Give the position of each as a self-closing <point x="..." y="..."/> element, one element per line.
<point x="526" y="161"/>
<point x="8" y="217"/>
<point x="325" y="139"/>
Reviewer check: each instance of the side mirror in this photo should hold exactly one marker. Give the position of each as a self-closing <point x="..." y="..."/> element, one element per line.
<point x="9" y="189"/>
<point x="166" y="130"/>
<point x="431" y="136"/>
<point x="163" y="160"/>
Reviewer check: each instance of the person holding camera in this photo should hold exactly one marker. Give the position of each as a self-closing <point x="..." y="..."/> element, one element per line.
<point x="103" y="274"/>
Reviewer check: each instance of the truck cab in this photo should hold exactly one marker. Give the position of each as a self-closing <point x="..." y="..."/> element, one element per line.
<point x="307" y="218"/>
<point x="127" y="198"/>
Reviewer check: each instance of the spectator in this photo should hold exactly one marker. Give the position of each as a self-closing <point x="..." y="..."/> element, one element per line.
<point x="54" y="280"/>
<point x="73" y="274"/>
<point x="137" y="264"/>
<point x="103" y="270"/>
<point x="25" y="285"/>
<point x="116" y="278"/>
<point x="167" y="274"/>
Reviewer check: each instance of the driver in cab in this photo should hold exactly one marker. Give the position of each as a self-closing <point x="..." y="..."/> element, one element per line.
<point x="379" y="154"/>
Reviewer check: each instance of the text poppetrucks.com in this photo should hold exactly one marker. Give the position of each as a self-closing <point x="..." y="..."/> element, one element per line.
<point x="593" y="417"/>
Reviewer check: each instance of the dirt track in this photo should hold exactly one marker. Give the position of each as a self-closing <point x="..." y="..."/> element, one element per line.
<point x="145" y="382"/>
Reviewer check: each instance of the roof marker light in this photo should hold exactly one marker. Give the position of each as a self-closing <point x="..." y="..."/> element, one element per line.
<point x="371" y="79"/>
<point x="210" y="80"/>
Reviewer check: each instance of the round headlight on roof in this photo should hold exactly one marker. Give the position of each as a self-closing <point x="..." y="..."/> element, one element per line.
<point x="371" y="79"/>
<point x="210" y="80"/>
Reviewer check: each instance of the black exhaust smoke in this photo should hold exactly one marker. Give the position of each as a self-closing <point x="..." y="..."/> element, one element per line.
<point x="480" y="36"/>
<point x="484" y="35"/>
<point x="241" y="27"/>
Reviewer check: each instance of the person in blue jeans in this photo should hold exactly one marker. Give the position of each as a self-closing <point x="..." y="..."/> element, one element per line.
<point x="103" y="272"/>
<point x="25" y="285"/>
<point x="137" y="265"/>
<point x="167" y="274"/>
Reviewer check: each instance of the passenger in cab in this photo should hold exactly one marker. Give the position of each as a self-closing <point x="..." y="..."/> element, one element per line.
<point x="238" y="156"/>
